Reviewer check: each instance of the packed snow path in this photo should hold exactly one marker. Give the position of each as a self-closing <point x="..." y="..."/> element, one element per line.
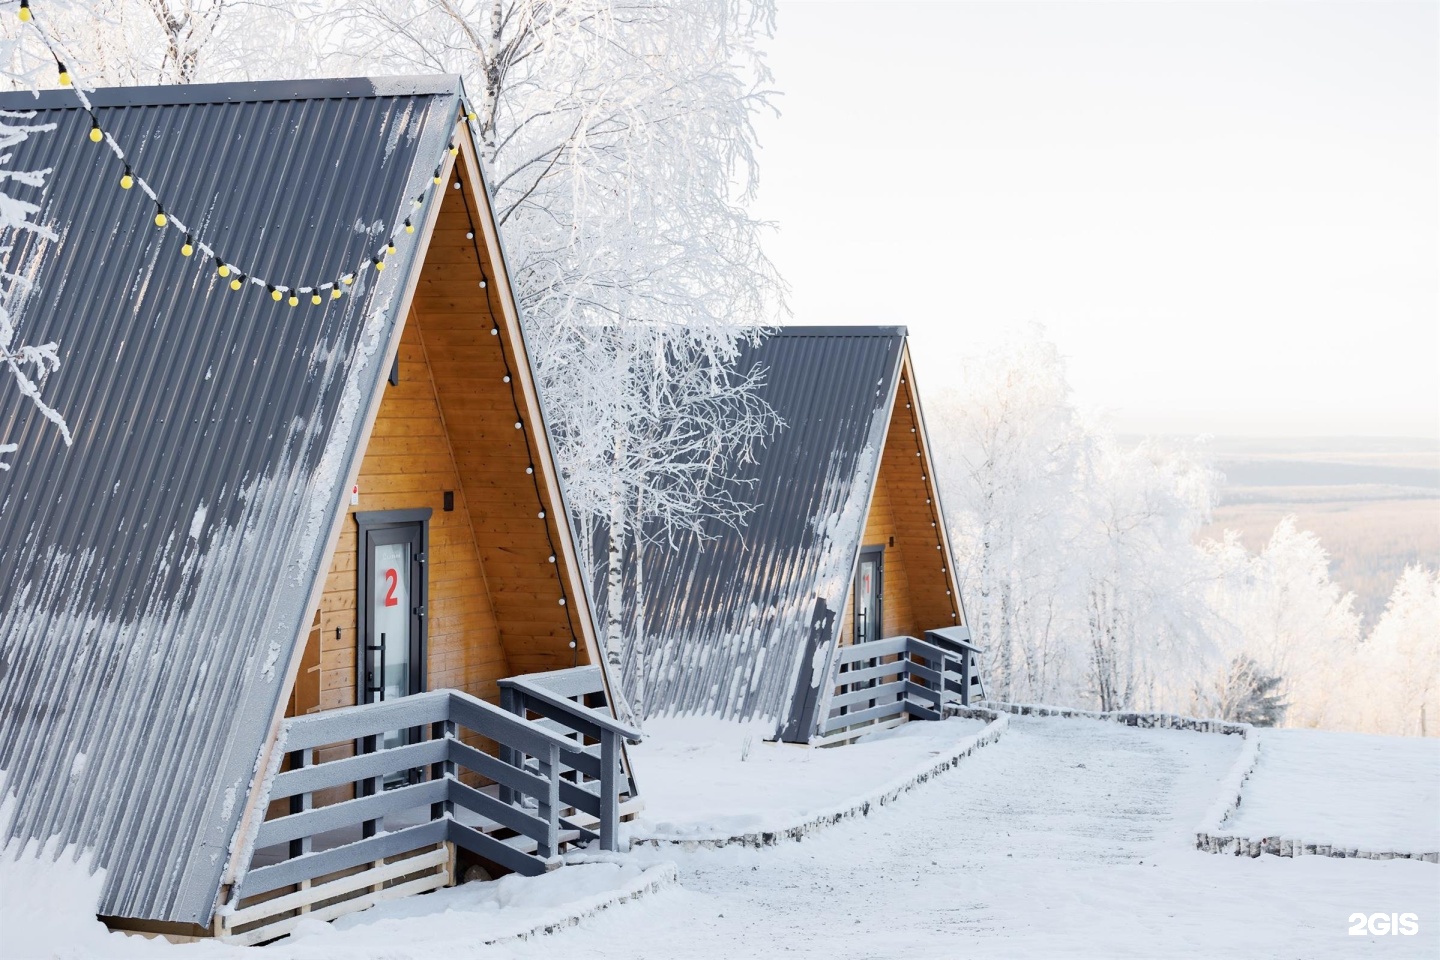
<point x="1066" y="838"/>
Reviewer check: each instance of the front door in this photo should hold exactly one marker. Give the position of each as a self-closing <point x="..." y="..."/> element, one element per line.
<point x="391" y="588"/>
<point x="869" y="580"/>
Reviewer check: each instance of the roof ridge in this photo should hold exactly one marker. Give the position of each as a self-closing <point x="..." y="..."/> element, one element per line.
<point x="237" y="92"/>
<point x="838" y="330"/>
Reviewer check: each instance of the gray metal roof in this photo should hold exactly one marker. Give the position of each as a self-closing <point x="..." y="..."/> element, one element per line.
<point x="153" y="577"/>
<point x="729" y="619"/>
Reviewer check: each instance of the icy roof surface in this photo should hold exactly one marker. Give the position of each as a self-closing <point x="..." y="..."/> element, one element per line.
<point x="153" y="577"/>
<point x="727" y="620"/>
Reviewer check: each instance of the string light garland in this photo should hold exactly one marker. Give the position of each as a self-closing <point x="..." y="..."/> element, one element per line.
<point x="238" y="276"/>
<point x="509" y="379"/>
<point x="163" y="219"/>
<point x="930" y="503"/>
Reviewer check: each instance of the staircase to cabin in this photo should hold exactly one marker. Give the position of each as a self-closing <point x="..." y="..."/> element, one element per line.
<point x="883" y="683"/>
<point x="513" y="787"/>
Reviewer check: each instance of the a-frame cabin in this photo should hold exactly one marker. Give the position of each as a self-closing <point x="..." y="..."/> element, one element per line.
<point x="256" y="620"/>
<point x="836" y="608"/>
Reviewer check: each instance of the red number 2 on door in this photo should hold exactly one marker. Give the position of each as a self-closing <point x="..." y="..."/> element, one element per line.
<point x="393" y="579"/>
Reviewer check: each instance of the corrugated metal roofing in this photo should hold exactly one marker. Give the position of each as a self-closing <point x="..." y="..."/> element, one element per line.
<point x="728" y="620"/>
<point x="153" y="577"/>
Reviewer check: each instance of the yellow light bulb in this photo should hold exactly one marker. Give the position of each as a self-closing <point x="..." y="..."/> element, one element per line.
<point x="186" y="250"/>
<point x="409" y="227"/>
<point x="390" y="247"/>
<point x="293" y="300"/>
<point x="379" y="264"/>
<point x="454" y="150"/>
<point x="275" y="295"/>
<point x="235" y="284"/>
<point x="223" y="270"/>
<point x="161" y="219"/>
<point x="315" y="299"/>
<point x="348" y="279"/>
<point x="126" y="182"/>
<point x="24" y="14"/>
<point x="437" y="178"/>
<point x="95" y="135"/>
<point x="470" y="116"/>
<point x="64" y="78"/>
<point x="334" y="293"/>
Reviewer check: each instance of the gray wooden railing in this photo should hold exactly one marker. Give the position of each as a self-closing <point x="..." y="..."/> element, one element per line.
<point x="884" y="682"/>
<point x="520" y="826"/>
<point x="570" y="703"/>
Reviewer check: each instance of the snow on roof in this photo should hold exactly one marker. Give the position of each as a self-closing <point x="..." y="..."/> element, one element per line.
<point x="154" y="576"/>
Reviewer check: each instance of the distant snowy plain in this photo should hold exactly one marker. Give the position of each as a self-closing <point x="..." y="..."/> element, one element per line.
<point x="1066" y="838"/>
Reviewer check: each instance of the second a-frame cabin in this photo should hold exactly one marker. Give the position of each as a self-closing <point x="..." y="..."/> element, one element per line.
<point x="835" y="610"/>
<point x="293" y="623"/>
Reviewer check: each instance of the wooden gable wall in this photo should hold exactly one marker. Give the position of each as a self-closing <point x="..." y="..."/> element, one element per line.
<point x="918" y="589"/>
<point x="450" y="425"/>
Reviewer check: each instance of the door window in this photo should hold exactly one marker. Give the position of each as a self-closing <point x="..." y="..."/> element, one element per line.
<point x="390" y="618"/>
<point x="868" y="615"/>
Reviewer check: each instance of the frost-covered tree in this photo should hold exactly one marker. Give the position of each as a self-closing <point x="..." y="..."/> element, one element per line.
<point x="1245" y="694"/>
<point x="26" y="365"/>
<point x="620" y="143"/>
<point x="1145" y="614"/>
<point x="1395" y="673"/>
<point x="1287" y="615"/>
<point x="1011" y="449"/>
<point x="1076" y="554"/>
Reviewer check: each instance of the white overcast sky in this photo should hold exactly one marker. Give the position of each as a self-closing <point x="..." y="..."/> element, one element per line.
<point x="1225" y="213"/>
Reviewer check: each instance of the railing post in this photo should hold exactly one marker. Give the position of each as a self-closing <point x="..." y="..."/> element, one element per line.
<point x="510" y="702"/>
<point x="446" y="769"/>
<point x="549" y="805"/>
<point x="301" y="801"/>
<point x="609" y="790"/>
<point x="965" y="678"/>
<point x="370" y="785"/>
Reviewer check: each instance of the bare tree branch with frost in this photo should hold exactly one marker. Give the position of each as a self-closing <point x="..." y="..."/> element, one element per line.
<point x="620" y="139"/>
<point x="28" y="364"/>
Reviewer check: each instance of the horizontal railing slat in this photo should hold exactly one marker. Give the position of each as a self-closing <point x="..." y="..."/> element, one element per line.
<point x="569" y="682"/>
<point x="337" y="773"/>
<point x="497" y="770"/>
<point x="885" y="691"/>
<point x="312" y="865"/>
<point x="574" y="795"/>
<point x="914" y="689"/>
<point x="920" y="712"/>
<point x="567" y="711"/>
<point x="894" y="708"/>
<point x="484" y="845"/>
<point x="348" y="812"/>
<point x="893" y="669"/>
<point x="871" y="649"/>
<point x="502" y="813"/>
<point x="489" y="720"/>
<point x="366" y="720"/>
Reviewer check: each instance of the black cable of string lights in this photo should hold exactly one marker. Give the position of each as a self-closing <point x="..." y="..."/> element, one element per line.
<point x="930" y="501"/>
<point x="236" y="274"/>
<point x="519" y="420"/>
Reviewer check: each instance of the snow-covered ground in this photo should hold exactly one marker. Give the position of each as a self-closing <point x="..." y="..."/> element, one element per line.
<point x="1066" y="838"/>
<point x="708" y="779"/>
<point x="1344" y="789"/>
